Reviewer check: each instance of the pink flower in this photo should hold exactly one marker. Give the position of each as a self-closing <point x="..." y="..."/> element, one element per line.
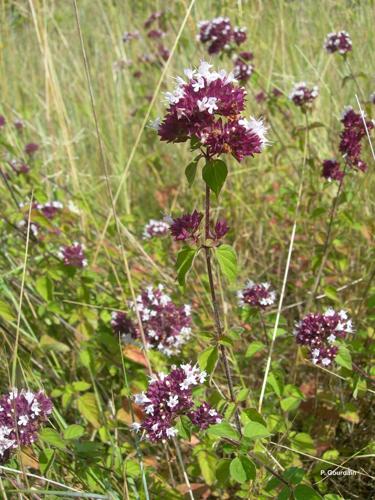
<point x="303" y="96"/>
<point x="257" y="295"/>
<point x="320" y="331"/>
<point x="219" y="34"/>
<point x="332" y="171"/>
<point x="351" y="137"/>
<point x="155" y="229"/>
<point x="169" y="397"/>
<point x="208" y="107"/>
<point x="73" y="255"/>
<point x="21" y="415"/>
<point x="31" y="148"/>
<point x="338" y="42"/>
<point x="186" y="227"/>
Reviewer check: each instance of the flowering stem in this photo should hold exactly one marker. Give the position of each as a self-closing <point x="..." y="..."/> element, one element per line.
<point x="353" y="77"/>
<point x="264" y="329"/>
<point x="218" y="327"/>
<point x="326" y="241"/>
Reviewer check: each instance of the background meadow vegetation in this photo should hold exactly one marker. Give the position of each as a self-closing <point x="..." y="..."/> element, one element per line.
<point x="94" y="138"/>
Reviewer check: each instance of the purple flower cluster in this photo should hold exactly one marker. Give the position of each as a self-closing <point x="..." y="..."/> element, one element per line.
<point x="185" y="227"/>
<point x="258" y="295"/>
<point x="204" y="416"/>
<point x="169" y="397"/>
<point x="73" y="255"/>
<point x="320" y="331"/>
<point x="48" y="210"/>
<point x="155" y="33"/>
<point x="220" y="35"/>
<point x="21" y="415"/>
<point x="154" y="16"/>
<point x="303" y="96"/>
<point x="128" y="36"/>
<point x="208" y="107"/>
<point x="242" y="68"/>
<point x="124" y="327"/>
<point x="19" y="124"/>
<point x="331" y="170"/>
<point x="19" y="166"/>
<point x="338" y="42"/>
<point x="351" y="137"/>
<point x="31" y="148"/>
<point x="155" y="229"/>
<point x="220" y="230"/>
<point x="166" y="326"/>
<point x="163" y="52"/>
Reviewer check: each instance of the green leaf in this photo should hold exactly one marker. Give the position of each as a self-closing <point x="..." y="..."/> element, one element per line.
<point x="45" y="460"/>
<point x="284" y="494"/>
<point x="294" y="475"/>
<point x="304" y="492"/>
<point x="81" y="385"/>
<point x="185" y="258"/>
<point x="74" y="431"/>
<point x="255" y="430"/>
<point x="303" y="442"/>
<point x="91" y="450"/>
<point x="214" y="174"/>
<point x="52" y="437"/>
<point x="290" y="403"/>
<point x="251" y="415"/>
<point x="48" y="343"/>
<point x="184" y="425"/>
<point x="44" y="287"/>
<point x="227" y="259"/>
<point x="254" y="347"/>
<point x="344" y="358"/>
<point x="6" y="312"/>
<point x="371" y="302"/>
<point x="88" y="408"/>
<point x="223" y="430"/>
<point x="242" y="469"/>
<point x="194" y="143"/>
<point x="191" y="170"/>
<point x="275" y="383"/>
<point x="222" y="472"/>
<point x="85" y="358"/>
<point x="331" y="293"/>
<point x="207" y="359"/>
<point x="207" y="465"/>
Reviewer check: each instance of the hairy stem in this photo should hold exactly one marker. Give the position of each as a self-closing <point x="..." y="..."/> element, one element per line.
<point x="218" y="327"/>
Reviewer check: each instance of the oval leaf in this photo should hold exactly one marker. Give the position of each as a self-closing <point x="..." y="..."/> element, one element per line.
<point x="214" y="174"/>
<point x="304" y="492"/>
<point x="255" y="430"/>
<point x="242" y="469"/>
<point x="52" y="437"/>
<point x="74" y="431"/>
<point x="184" y="262"/>
<point x="89" y="409"/>
<point x="227" y="259"/>
<point x="223" y="430"/>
